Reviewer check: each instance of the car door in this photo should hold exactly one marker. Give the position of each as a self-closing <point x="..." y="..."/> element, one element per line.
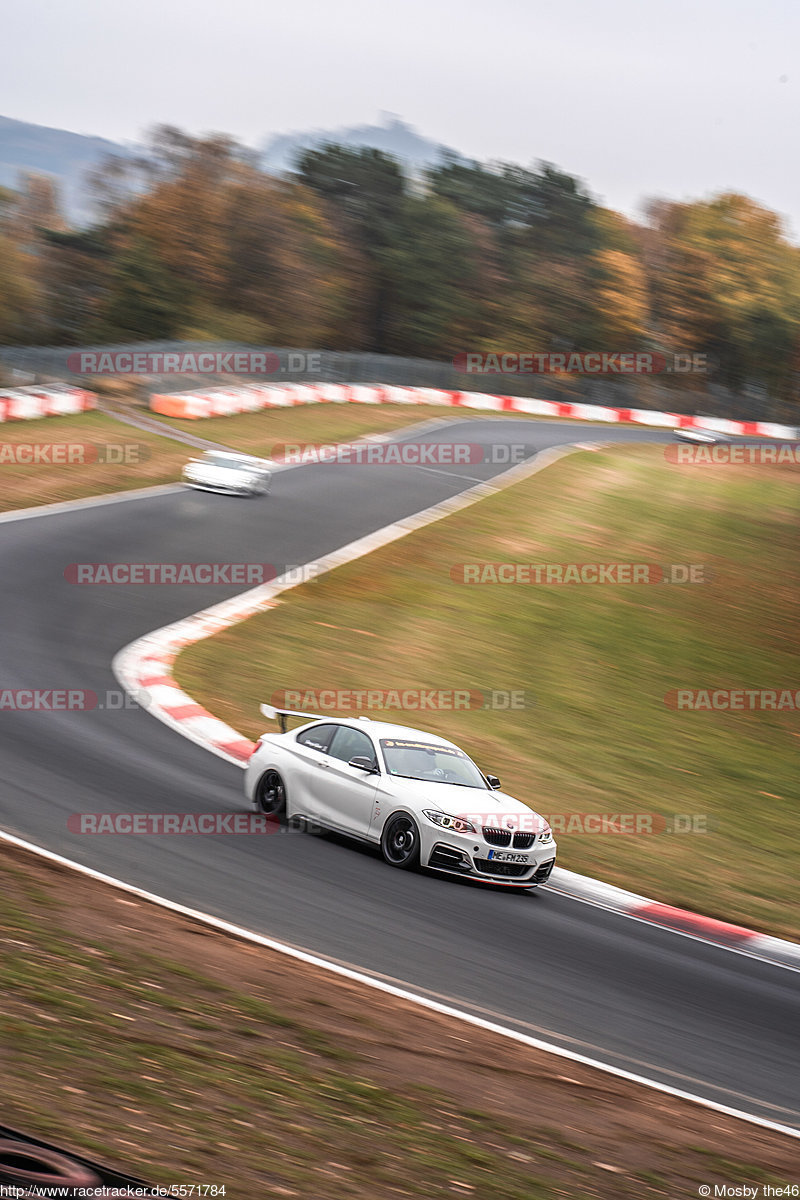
<point x="348" y="792"/>
<point x="309" y="768"/>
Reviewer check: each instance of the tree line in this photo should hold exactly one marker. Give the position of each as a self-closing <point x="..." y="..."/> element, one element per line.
<point x="193" y="241"/>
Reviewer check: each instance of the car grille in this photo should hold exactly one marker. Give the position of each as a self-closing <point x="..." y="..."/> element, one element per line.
<point x="495" y="836"/>
<point x="490" y="867"/>
<point x="544" y="872"/>
<point x="503" y="837"/>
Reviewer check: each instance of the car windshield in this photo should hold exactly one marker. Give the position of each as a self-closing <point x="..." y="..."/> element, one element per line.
<point x="407" y="759"/>
<point x="223" y="460"/>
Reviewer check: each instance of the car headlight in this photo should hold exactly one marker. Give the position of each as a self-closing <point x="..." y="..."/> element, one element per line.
<point x="445" y="821"/>
<point x="546" y="835"/>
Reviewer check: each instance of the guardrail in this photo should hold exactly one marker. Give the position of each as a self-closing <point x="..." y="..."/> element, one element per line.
<point x="227" y="401"/>
<point x="660" y="392"/>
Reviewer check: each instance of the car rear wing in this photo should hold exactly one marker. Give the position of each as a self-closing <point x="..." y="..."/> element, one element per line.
<point x="282" y="715"/>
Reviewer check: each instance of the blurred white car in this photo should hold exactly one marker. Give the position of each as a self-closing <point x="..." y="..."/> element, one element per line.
<point x="225" y="471"/>
<point x="701" y="436"/>
<point x="417" y="796"/>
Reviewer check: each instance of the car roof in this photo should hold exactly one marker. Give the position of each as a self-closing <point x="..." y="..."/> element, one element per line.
<point x="383" y="729"/>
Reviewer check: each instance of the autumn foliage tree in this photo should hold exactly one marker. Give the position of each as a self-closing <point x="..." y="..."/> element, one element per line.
<point x="193" y="240"/>
<point x="20" y="302"/>
<point x="724" y="280"/>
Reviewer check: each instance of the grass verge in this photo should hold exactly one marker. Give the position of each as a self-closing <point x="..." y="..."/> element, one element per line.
<point x="142" y="459"/>
<point x="260" y="432"/>
<point x="595" y="664"/>
<point x="159" y="1046"/>
<point x="139" y="459"/>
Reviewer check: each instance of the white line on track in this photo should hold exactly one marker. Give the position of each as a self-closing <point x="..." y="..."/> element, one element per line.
<point x="164" y="489"/>
<point x="399" y="993"/>
<point x="449" y="474"/>
<point x="66" y="506"/>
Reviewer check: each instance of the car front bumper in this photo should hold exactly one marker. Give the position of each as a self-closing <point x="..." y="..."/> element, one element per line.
<point x="471" y="857"/>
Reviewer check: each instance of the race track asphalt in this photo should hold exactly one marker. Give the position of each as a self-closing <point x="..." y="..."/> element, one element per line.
<point x="677" y="1010"/>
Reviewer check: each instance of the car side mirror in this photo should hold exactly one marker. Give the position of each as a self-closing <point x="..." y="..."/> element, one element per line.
<point x="493" y="782"/>
<point x="362" y="763"/>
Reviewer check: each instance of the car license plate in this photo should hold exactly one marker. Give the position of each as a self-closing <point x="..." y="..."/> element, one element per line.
<point x="507" y="856"/>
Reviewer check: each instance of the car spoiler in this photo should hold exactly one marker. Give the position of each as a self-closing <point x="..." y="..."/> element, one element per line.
<point x="282" y="715"/>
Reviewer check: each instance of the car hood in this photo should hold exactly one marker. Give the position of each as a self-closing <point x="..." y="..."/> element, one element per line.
<point x="459" y="801"/>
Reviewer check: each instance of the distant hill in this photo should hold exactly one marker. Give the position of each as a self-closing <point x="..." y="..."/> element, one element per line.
<point x="69" y="157"/>
<point x="57" y="152"/>
<point x="393" y="136"/>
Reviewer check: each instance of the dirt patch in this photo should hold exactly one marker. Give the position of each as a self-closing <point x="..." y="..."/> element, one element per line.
<point x="178" y="1052"/>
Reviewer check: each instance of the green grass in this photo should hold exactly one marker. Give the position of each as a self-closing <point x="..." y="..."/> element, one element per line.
<point x="595" y="664"/>
<point x="260" y="432"/>
<point x="153" y="459"/>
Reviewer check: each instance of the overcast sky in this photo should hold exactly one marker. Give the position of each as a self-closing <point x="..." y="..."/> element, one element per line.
<point x="638" y="97"/>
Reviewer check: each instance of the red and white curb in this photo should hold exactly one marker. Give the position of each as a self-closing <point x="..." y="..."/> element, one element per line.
<point x="227" y="401"/>
<point x="31" y="403"/>
<point x="144" y="669"/>
<point x="678" y="920"/>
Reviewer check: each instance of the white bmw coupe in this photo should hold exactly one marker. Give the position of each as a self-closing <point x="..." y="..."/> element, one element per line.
<point x="417" y="796"/>
<point x="226" y="471"/>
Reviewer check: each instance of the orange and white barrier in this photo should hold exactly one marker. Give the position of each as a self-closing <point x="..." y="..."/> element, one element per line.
<point x="31" y="403"/>
<point x="223" y="402"/>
